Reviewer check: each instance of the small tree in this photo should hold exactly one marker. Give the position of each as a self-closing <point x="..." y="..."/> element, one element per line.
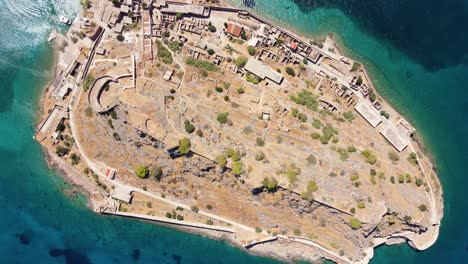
<point x="189" y="128"/>
<point x="290" y="71"/>
<point x="422" y="208"/>
<point x="393" y="156"/>
<point x="251" y="50"/>
<point x="60" y="127"/>
<point x="155" y="172"/>
<point x="62" y="151"/>
<point x="260" y="142"/>
<point x="120" y="38"/>
<point x="211" y="51"/>
<point x="241" y="61"/>
<point x="212" y="28"/>
<point x="142" y="171"/>
<point x="184" y="146"/>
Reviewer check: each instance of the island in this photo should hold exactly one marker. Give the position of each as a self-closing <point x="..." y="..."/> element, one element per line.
<point x="213" y="120"/>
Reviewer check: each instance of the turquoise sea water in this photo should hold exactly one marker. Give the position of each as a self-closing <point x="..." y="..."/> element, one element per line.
<point x="415" y="52"/>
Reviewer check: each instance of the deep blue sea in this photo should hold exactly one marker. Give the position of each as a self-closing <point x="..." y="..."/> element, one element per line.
<point x="416" y="52"/>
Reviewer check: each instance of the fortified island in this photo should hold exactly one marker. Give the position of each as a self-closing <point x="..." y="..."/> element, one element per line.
<point x="209" y="118"/>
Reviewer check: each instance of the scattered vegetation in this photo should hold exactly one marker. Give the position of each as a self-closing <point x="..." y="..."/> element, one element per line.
<point x="307" y="99"/>
<point x="370" y="157"/>
<point x="413" y="159"/>
<point x="308" y="193"/>
<point x="62" y="151"/>
<point x="163" y="53"/>
<point x="201" y="64"/>
<point x="348" y="115"/>
<point x="88" y="81"/>
<point x="189" y="128"/>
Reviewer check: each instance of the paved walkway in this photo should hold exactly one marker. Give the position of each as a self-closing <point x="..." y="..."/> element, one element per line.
<point x="175" y="222"/>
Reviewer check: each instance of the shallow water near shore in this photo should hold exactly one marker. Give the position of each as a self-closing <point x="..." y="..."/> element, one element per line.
<point x="41" y="224"/>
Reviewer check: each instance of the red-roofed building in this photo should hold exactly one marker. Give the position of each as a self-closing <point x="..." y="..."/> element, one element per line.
<point x="234" y="30"/>
<point x="293" y="45"/>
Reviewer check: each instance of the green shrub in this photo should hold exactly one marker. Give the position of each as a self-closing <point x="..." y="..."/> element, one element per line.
<point x="407" y="218"/>
<point x="351" y="149"/>
<point x="401" y="178"/>
<point x="223" y="117"/>
<point x="361" y="205"/>
<point x="353" y="210"/>
<point x="315" y="135"/>
<point x="270" y="184"/>
<point x="209" y="222"/>
<point x="212" y="28"/>
<point x="120" y="38"/>
<point x="189" y="128"/>
<point x="241" y="61"/>
<point x="258" y="229"/>
<point x="211" y="51"/>
<point x="237" y="168"/>
<point x="419" y="182"/>
<point x="297" y="232"/>
<point x="370" y="157"/>
<point x="260" y="142"/>
<point x="240" y="90"/>
<point x="252" y="78"/>
<point x="251" y="50"/>
<point x="355" y="223"/>
<point x="392" y="179"/>
<point x="373" y="172"/>
<point x="75" y="159"/>
<point x="422" y="208"/>
<point x="60" y="127"/>
<point x="209" y="207"/>
<point x="142" y="171"/>
<point x="311" y="159"/>
<point x="221" y="160"/>
<point x="155" y="172"/>
<point x="184" y="146"/>
<point x="259" y="156"/>
<point x="219" y="89"/>
<point x="354" y="177"/>
<point x="316" y="123"/>
<point x="413" y="158"/>
<point x="194" y="208"/>
<point x="348" y="115"/>
<point x="393" y="156"/>
<point x="290" y="71"/>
